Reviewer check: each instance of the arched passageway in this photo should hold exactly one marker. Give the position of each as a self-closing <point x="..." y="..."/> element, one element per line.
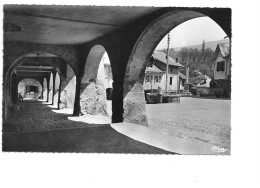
<point x="134" y="101"/>
<point x="128" y="34"/>
<point x="45" y="68"/>
<point x="93" y="97"/>
<point x="30" y="88"/>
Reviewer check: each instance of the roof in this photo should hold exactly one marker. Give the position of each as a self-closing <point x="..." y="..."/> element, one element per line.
<point x="223" y="48"/>
<point x="161" y="56"/>
<point x="153" y="69"/>
<point x="201" y="76"/>
<point x="182" y="76"/>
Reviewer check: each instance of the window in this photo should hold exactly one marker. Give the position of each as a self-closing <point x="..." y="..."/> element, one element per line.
<point x="170" y="80"/>
<point x="147" y="78"/>
<point x="220" y="66"/>
<point x="160" y="78"/>
<point x="156" y="79"/>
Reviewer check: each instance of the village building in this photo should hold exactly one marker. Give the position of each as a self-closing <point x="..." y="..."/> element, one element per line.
<point x="222" y="68"/>
<point x="155" y="74"/>
<point x="221" y="83"/>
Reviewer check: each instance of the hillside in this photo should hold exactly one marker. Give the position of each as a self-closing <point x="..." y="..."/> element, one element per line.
<point x="211" y="44"/>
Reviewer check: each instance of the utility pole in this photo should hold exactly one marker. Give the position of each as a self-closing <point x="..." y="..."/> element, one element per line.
<point x="167" y="57"/>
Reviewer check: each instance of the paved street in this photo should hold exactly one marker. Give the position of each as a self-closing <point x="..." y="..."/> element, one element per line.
<point x="204" y="119"/>
<point x="38" y="127"/>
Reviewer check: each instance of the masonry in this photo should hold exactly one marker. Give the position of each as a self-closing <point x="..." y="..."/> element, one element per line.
<point x="67" y="45"/>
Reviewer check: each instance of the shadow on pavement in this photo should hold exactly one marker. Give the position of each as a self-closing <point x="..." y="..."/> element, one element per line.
<point x="36" y="128"/>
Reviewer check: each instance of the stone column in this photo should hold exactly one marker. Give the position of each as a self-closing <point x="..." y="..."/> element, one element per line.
<point x="76" y="110"/>
<point x="45" y="89"/>
<point x="53" y="86"/>
<point x="63" y="92"/>
<point x="67" y="89"/>
<point x="134" y="105"/>
<point x="42" y="81"/>
<point x="56" y="90"/>
<point x="50" y="97"/>
<point x="71" y="87"/>
<point x="117" y="101"/>
<point x="14" y="93"/>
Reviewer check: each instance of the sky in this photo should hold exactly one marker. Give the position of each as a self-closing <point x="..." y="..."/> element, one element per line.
<point x="193" y="32"/>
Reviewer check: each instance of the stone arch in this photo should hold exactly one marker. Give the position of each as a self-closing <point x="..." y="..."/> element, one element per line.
<point x="26" y="82"/>
<point x="134" y="103"/>
<point x="19" y="61"/>
<point x="14" y="51"/>
<point x="92" y="92"/>
<point x="13" y="60"/>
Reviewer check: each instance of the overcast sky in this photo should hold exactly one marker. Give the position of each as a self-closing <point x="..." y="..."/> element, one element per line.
<point x="193" y="32"/>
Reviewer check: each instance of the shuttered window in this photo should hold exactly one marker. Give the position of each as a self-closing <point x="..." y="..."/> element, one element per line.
<point x="220" y="66"/>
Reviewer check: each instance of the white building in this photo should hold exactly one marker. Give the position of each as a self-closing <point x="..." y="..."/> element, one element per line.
<point x="222" y="67"/>
<point x="155" y="74"/>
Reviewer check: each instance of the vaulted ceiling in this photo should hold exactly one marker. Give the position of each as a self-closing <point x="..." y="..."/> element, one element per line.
<point x="67" y="24"/>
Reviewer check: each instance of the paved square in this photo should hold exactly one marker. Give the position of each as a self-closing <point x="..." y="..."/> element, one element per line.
<point x="205" y="119"/>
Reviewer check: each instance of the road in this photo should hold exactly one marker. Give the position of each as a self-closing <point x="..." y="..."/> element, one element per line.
<point x="205" y="119"/>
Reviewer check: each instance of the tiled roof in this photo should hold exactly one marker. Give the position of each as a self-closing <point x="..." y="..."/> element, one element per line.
<point x="223" y="49"/>
<point x="153" y="69"/>
<point x="161" y="56"/>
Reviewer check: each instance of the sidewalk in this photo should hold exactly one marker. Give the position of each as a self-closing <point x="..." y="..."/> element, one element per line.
<point x="166" y="142"/>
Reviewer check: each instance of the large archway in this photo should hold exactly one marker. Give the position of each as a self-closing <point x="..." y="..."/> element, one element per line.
<point x="45" y="67"/>
<point x="134" y="101"/>
<point x="30" y="88"/>
<point x="96" y="79"/>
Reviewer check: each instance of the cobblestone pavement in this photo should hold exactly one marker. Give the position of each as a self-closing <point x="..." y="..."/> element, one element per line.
<point x="37" y="127"/>
<point x="208" y="120"/>
<point x="37" y="116"/>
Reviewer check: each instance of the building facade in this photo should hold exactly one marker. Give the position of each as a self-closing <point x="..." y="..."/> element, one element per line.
<point x="155" y="74"/>
<point x="222" y="68"/>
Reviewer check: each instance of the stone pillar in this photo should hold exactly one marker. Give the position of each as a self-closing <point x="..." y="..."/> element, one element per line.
<point x="42" y="80"/>
<point x="76" y="110"/>
<point x="50" y="89"/>
<point x="93" y="98"/>
<point x="45" y="89"/>
<point x="71" y="87"/>
<point x="67" y="89"/>
<point x="63" y="93"/>
<point x="53" y="86"/>
<point x="117" y="101"/>
<point x="14" y="92"/>
<point x="56" y="90"/>
<point x="134" y="105"/>
<point x="93" y="94"/>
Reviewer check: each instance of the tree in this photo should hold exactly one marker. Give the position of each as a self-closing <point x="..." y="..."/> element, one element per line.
<point x="198" y="59"/>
